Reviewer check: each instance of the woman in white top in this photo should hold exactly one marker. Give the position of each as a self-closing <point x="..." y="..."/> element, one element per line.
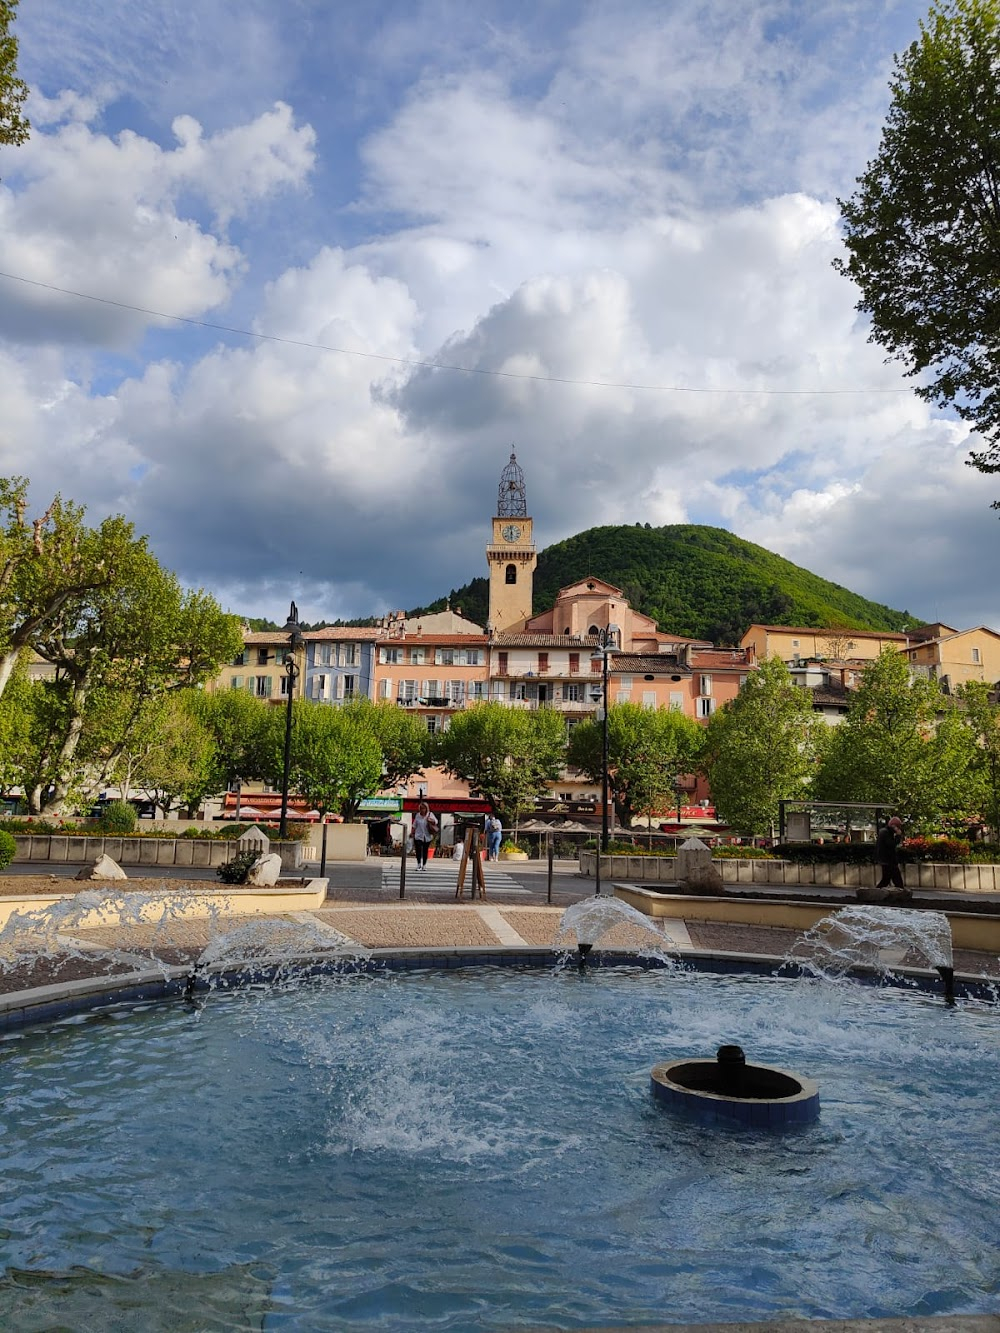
<point x="424" y="828"/>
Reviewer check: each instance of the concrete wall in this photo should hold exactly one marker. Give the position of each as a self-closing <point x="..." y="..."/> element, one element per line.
<point x="919" y="875"/>
<point x="151" y="852"/>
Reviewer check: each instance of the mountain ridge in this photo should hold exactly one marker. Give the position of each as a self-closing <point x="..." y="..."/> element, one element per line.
<point x="694" y="580"/>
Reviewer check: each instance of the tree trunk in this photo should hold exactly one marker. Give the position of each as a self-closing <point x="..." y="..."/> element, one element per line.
<point x="55" y="802"/>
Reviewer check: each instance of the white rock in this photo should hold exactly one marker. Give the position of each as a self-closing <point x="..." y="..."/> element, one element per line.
<point x="102" y="868"/>
<point x="265" y="871"/>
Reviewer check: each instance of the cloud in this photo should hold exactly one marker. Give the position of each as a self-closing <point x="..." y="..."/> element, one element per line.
<point x="107" y="217"/>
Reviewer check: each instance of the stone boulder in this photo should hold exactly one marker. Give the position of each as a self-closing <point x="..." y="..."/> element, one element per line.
<point x="695" y="871"/>
<point x="102" y="868"/>
<point x="265" y="871"/>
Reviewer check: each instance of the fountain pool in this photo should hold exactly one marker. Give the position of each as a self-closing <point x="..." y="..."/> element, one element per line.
<point x="479" y="1148"/>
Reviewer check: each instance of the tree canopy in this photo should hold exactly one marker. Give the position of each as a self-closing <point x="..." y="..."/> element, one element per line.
<point x="648" y="750"/>
<point x="507" y="754"/>
<point x="922" y="229"/>
<point x="760" y="748"/>
<point x="14" y="126"/>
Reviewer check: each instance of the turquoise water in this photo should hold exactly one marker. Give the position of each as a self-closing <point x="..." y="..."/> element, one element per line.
<point x="481" y="1150"/>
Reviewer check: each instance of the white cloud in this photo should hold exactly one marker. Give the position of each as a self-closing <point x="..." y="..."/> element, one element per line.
<point x="105" y="217"/>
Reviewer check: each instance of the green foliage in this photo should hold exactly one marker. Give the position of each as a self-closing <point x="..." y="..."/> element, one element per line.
<point x="760" y="748"/>
<point x="733" y="853"/>
<point x="903" y="744"/>
<point x="921" y="229"/>
<point x="954" y="850"/>
<point x="236" y="870"/>
<point x="508" y="754"/>
<point x="648" y="749"/>
<point x="403" y="741"/>
<point x="826" y="853"/>
<point x="693" y="580"/>
<point x="118" y="818"/>
<point x="13" y="90"/>
<point x="982" y="717"/>
<point x="7" y="848"/>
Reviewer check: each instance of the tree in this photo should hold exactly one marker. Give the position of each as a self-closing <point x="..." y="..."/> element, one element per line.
<point x="132" y="640"/>
<point x="333" y="756"/>
<point x="760" y="748"/>
<point x="982" y="717"/>
<point x="169" y="753"/>
<point x="508" y="754"/>
<point x="239" y="725"/>
<point x="902" y="744"/>
<point x="648" y="750"/>
<point x="13" y="90"/>
<point x="403" y="740"/>
<point x="47" y="564"/>
<point x="923" y="228"/>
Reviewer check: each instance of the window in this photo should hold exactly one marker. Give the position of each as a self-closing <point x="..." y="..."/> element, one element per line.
<point x="594" y="631"/>
<point x="240" y="659"/>
<point x="543" y="663"/>
<point x="260" y="685"/>
<point x="975" y="656"/>
<point x="625" y="683"/>
<point x="323" y="654"/>
<point x="510" y="574"/>
<point x="262" y="657"/>
<point x="347" y="654"/>
<point x="320" y="683"/>
<point x="477" y="689"/>
<point x="446" y="656"/>
<point x="574" y="661"/>
<point x="649" y="698"/>
<point x="384" y="689"/>
<point x="676" y="701"/>
<point x="432" y="724"/>
<point x="706" y="707"/>
<point x="236" y="683"/>
<point x="517" y="690"/>
<point x="795" y="643"/>
<point x="502" y="663"/>
<point x="284" y="683"/>
<point x="705" y="686"/>
<point x="349" y="686"/>
<point x="571" y="693"/>
<point x="417" y="656"/>
<point x="408" y="691"/>
<point x="394" y="656"/>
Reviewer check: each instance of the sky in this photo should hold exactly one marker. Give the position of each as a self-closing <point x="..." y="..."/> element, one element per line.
<point x="286" y="283"/>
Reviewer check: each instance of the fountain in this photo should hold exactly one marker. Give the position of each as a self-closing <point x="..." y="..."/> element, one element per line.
<point x="591" y="919"/>
<point x="727" y="1090"/>
<point x="878" y="939"/>
<point x="478" y="1148"/>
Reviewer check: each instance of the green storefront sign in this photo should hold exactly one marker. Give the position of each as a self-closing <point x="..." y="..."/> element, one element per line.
<point x="381" y="805"/>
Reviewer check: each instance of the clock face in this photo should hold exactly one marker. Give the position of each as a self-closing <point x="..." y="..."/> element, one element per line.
<point x="510" y="532"/>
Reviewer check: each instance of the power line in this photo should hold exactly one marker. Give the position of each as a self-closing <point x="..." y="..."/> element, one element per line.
<point x="432" y="365"/>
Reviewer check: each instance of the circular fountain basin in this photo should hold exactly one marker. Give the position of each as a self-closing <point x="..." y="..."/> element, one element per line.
<point x="722" y="1091"/>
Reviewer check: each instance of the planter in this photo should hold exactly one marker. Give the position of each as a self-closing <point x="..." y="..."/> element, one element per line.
<point x="513" y="856"/>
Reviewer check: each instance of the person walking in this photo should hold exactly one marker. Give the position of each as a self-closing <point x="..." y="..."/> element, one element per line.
<point x="494" y="838"/>
<point x="887" y="853"/>
<point x="425" y="826"/>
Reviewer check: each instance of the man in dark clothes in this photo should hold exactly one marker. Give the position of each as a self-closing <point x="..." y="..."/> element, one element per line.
<point x="887" y="853"/>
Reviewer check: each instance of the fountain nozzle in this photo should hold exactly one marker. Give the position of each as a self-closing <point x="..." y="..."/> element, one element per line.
<point x="583" y="948"/>
<point x="732" y="1067"/>
<point x="947" y="975"/>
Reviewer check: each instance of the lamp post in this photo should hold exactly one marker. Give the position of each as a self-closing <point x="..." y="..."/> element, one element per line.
<point x="607" y="641"/>
<point x="291" y="674"/>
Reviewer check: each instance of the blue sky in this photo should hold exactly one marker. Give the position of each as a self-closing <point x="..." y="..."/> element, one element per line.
<point x="581" y="196"/>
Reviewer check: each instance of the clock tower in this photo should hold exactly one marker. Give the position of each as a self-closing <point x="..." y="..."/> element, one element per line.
<point x="511" y="554"/>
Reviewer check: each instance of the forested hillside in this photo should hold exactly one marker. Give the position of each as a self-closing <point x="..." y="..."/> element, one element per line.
<point x="693" y="580"/>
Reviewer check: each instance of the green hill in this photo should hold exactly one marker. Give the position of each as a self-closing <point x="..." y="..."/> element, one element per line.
<point x="695" y="581"/>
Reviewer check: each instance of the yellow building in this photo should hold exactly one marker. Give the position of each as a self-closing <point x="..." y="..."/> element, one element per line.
<point x="831" y="644"/>
<point x="511" y="555"/>
<point x="955" y="656"/>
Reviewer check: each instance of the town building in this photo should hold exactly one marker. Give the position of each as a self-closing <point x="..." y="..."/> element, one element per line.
<point x="954" y="657"/>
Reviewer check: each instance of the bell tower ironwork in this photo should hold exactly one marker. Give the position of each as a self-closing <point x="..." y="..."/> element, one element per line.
<point x="511" y="554"/>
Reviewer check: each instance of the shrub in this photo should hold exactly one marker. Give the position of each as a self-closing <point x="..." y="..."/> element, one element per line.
<point x="118" y="818"/>
<point x="749" y="853"/>
<point x="7" y="849"/>
<point x="935" y="849"/>
<point x="816" y="853"/>
<point x="236" y="870"/>
<point x="509" y="845"/>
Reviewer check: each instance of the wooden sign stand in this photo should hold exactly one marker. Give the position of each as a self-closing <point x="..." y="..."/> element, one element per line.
<point x="470" y="852"/>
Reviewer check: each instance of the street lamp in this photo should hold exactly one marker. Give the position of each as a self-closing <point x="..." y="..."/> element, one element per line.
<point x="607" y="641"/>
<point x="291" y="673"/>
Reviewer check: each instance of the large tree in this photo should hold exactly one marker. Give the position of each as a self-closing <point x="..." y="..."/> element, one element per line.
<point x="47" y="564"/>
<point x="923" y="227"/>
<point x="334" y="756"/>
<point x="903" y="744"/>
<point x="403" y="741"/>
<point x="648" y="750"/>
<point x="14" y="126"/>
<point x="760" y="748"/>
<point x="982" y="717"/>
<point x="508" y="754"/>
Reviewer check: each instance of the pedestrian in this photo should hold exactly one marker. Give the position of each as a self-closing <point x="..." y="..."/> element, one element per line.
<point x="494" y="838"/>
<point x="887" y="853"/>
<point x="425" y="826"/>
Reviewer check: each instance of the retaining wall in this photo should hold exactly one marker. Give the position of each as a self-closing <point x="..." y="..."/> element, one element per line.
<point x="918" y="875"/>
<point x="151" y="852"/>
